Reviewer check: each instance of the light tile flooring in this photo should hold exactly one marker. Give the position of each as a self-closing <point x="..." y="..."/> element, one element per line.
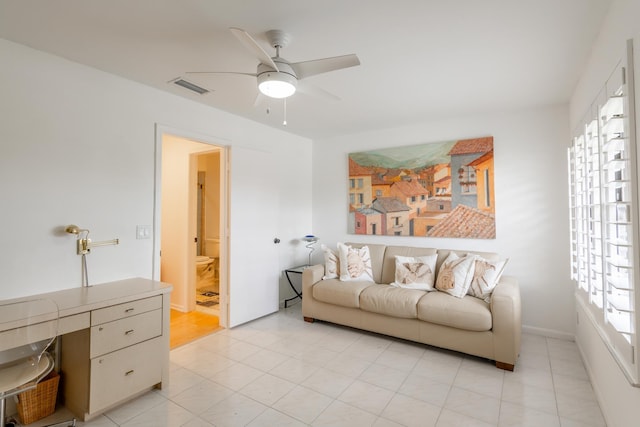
<point x="281" y="371"/>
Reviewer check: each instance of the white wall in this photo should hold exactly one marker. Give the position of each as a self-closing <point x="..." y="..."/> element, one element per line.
<point x="77" y="146"/>
<point x="531" y="201"/>
<point x="620" y="402"/>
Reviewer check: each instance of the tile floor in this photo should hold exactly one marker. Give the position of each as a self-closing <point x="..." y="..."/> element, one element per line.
<point x="281" y="371"/>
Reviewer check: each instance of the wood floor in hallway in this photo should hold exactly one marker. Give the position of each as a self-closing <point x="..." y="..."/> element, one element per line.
<point x="186" y="327"/>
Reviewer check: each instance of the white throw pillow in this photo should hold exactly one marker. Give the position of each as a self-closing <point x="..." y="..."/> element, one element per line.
<point x="416" y="272"/>
<point x="485" y="277"/>
<point x="355" y="263"/>
<point x="455" y="274"/>
<point x="331" y="263"/>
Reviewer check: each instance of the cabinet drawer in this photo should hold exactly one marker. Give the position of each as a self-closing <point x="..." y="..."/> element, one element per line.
<point x="128" y="309"/>
<point x="122" y="333"/>
<point x="123" y="373"/>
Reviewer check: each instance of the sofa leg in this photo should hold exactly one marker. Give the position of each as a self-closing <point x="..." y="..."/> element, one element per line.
<point x="505" y="366"/>
<point x="309" y="319"/>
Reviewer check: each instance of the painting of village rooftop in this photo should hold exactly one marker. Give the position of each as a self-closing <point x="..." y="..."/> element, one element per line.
<point x="442" y="189"/>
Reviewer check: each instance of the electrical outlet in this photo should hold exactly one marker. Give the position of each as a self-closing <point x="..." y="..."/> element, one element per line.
<point x="143" y="232"/>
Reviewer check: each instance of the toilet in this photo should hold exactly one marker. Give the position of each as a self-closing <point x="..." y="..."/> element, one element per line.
<point x="202" y="264"/>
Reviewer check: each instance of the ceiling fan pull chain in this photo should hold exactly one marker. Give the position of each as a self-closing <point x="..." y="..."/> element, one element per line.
<point x="284" y="123"/>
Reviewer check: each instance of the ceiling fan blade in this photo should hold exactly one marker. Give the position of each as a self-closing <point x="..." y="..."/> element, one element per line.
<point x="221" y="72"/>
<point x="312" y="90"/>
<point x="259" y="98"/>
<point x="254" y="47"/>
<point x="318" y="66"/>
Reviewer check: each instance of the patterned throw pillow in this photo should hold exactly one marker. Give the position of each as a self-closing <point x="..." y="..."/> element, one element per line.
<point x="355" y="263"/>
<point x="455" y="274"/>
<point x="331" y="263"/>
<point x="485" y="277"/>
<point x="416" y="272"/>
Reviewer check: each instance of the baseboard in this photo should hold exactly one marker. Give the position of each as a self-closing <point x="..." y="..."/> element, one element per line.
<point x="549" y="333"/>
<point x="179" y="308"/>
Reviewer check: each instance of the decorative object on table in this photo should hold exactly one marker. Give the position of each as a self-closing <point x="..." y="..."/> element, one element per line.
<point x="311" y="241"/>
<point x="84" y="245"/>
<point x="442" y="189"/>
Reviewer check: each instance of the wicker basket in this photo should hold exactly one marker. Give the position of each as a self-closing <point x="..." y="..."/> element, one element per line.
<point x="39" y="402"/>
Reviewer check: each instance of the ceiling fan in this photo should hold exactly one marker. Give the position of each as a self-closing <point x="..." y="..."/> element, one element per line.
<point x="278" y="78"/>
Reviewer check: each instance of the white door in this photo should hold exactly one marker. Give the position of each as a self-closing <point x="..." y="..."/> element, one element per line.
<point x="253" y="261"/>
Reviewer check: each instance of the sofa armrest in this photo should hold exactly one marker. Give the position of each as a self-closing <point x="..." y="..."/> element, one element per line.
<point x="310" y="276"/>
<point x="507" y="320"/>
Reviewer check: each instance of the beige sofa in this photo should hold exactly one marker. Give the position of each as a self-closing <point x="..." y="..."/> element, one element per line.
<point x="469" y="325"/>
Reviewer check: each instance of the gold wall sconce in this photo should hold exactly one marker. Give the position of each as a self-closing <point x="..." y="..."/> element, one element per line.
<point x="84" y="245"/>
<point x="84" y="242"/>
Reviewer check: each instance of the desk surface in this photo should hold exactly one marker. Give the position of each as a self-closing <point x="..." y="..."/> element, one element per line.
<point x="80" y="300"/>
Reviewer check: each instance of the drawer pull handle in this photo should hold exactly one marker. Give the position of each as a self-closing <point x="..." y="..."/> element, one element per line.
<point x="128" y="310"/>
<point x="126" y="374"/>
<point x="129" y="332"/>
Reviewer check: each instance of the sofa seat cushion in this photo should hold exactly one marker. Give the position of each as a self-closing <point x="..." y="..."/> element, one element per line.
<point x="336" y="292"/>
<point x="391" y="301"/>
<point x="469" y="313"/>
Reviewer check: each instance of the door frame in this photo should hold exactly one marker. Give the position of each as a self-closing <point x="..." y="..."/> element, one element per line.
<point x="160" y="131"/>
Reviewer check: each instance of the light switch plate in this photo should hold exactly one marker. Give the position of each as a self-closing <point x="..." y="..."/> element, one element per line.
<point x="143" y="232"/>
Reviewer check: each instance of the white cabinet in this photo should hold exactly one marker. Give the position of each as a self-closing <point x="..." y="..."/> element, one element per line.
<point x="124" y="373"/>
<point x="122" y="354"/>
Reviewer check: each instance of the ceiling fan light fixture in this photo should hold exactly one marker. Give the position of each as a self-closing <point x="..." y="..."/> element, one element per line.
<point x="277" y="84"/>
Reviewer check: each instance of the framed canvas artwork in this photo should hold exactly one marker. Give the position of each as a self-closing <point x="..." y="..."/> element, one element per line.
<point x="442" y="189"/>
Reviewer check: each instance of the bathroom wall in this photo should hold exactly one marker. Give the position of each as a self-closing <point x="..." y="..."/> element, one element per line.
<point x="210" y="164"/>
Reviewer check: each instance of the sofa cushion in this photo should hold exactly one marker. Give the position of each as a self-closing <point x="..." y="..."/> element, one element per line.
<point x="416" y="272"/>
<point x="345" y="294"/>
<point x="331" y="263"/>
<point x="388" y="266"/>
<point x="377" y="254"/>
<point x="455" y="275"/>
<point x="444" y="253"/>
<point x="485" y="277"/>
<point x="391" y="301"/>
<point x="355" y="263"/>
<point x="467" y="313"/>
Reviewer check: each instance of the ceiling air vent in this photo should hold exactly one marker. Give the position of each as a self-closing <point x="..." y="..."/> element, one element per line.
<point x="191" y="86"/>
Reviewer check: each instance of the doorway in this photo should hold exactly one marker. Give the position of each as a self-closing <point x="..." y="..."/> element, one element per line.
<point x="191" y="243"/>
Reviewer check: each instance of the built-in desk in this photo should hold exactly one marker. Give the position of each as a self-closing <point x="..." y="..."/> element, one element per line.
<point x="114" y="342"/>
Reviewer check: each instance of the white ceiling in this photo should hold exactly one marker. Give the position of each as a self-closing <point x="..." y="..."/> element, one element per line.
<point x="420" y="59"/>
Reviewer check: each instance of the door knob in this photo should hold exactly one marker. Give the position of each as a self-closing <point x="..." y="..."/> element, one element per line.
<point x="276" y="240"/>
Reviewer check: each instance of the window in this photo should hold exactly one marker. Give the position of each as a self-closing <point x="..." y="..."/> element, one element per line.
<point x="467" y="177"/>
<point x="360" y="183"/>
<point x="352" y="183"/>
<point x="603" y="217"/>
<point x="413" y="199"/>
<point x="360" y="198"/>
